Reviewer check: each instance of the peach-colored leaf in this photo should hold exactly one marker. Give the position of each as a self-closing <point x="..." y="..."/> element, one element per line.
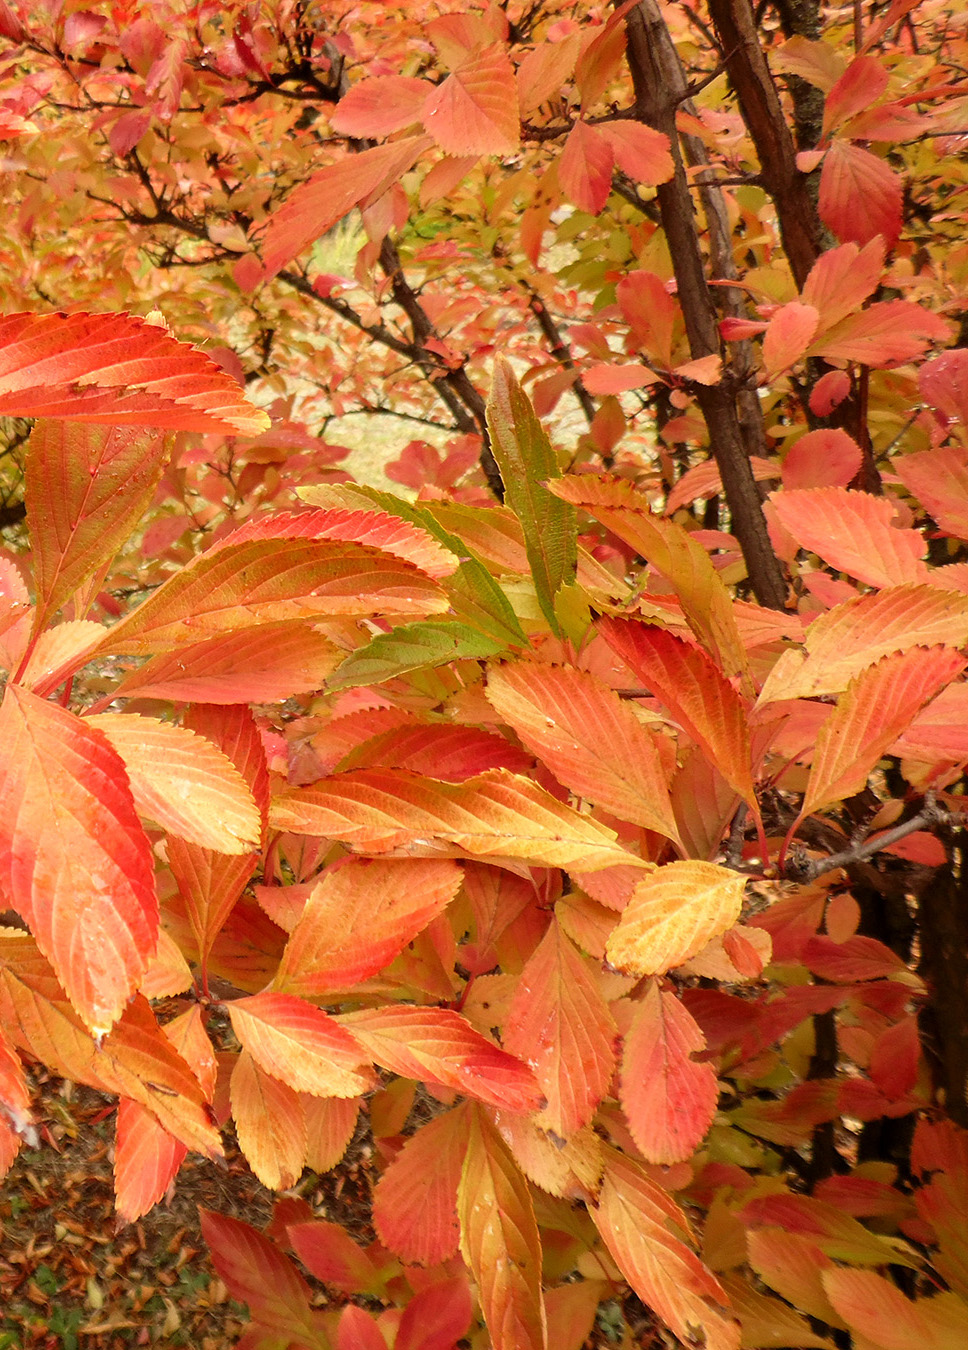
<point x="330" y="1126"/>
<point x="86" y="489"/>
<point x="636" y="1220"/>
<point x="58" y="652"/>
<point x="852" y="531"/>
<point x="300" y="1045"/>
<point x="639" y="151"/>
<point x="862" y="83"/>
<point x="585" y="168"/>
<point x="74" y="859"/>
<point x="683" y="562"/>
<point x="256" y="1272"/>
<point x="878" y="705"/>
<point x="183" y="782"/>
<point x="940" y="732"/>
<point x="694" y="690"/>
<point x="269" y="1123"/>
<point x="475" y="110"/>
<point x="590" y="739"/>
<point x="860" y="195"/>
<point x="828" y="393"/>
<point x="318" y="203"/>
<point x="845" y="640"/>
<point x="939" y="480"/>
<point x="943" y="383"/>
<point x="358" y="917"/>
<point x="499" y="1240"/>
<point x="886" y="334"/>
<point x="618" y="377"/>
<point x="568" y="1168"/>
<point x="415" y="1200"/>
<point x="118" y="369"/>
<point x="789" y="334"/>
<point x="255" y="665"/>
<point x="328" y="1251"/>
<point x="672" y="915"/>
<point x="842" y="278"/>
<point x="705" y="480"/>
<point x="438" y="1045"/>
<point x="495" y="814"/>
<point x="239" y="586"/>
<point x="824" y="458"/>
<point x="875" y="1309"/>
<point x="437" y="1317"/>
<point x="379" y="106"/>
<point x="669" y="1100"/>
<point x="559" y="1020"/>
<point x="146" y="1160"/>
<point x="544" y="69"/>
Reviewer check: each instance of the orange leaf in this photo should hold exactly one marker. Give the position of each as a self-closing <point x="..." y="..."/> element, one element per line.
<point x="238" y="586"/>
<point x="617" y="378"/>
<point x="183" y="782"/>
<point x="669" y="1099"/>
<point x="862" y="83"/>
<point x="640" y="151"/>
<point x="560" y="1021"/>
<point x="74" y="859"/>
<point x="939" y="480"/>
<point x="318" y="203"/>
<point x="885" y="334"/>
<point x="878" y="705"/>
<point x="358" y="917"/>
<point x="86" y="488"/>
<point x="824" y="458"/>
<point x="940" y="732"/>
<point x="842" y="278"/>
<point x="437" y="1317"/>
<point x="300" y="1045"/>
<point x="568" y="1168"/>
<point x="852" y="531"/>
<point x="943" y="383"/>
<point x="256" y="1272"/>
<point x="585" y="168"/>
<point x="875" y="1309"/>
<point x="14" y="1094"/>
<point x="475" y="110"/>
<point x="789" y="334"/>
<point x="683" y="562"/>
<point x="633" y="1218"/>
<point x="328" y="1252"/>
<point x="118" y="369"/>
<point x="146" y="1160"/>
<point x="860" y="195"/>
<point x="590" y="739"/>
<point x="415" y="1200"/>
<point x="672" y="915"/>
<point x="437" y="1045"/>
<point x="494" y="814"/>
<point x="58" y="652"/>
<point x="269" y="1123"/>
<point x="499" y="1240"/>
<point x="330" y="1126"/>
<point x="694" y="690"/>
<point x="255" y="665"/>
<point x="379" y="106"/>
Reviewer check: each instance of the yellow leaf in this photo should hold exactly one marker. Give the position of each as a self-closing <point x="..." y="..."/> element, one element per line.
<point x="672" y="915"/>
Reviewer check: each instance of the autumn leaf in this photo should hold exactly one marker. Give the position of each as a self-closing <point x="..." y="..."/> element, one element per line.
<point x="853" y="532"/>
<point x="116" y="369"/>
<point x="379" y="106"/>
<point x="256" y="1272"/>
<point x="492" y="815"/>
<point x="585" y="168"/>
<point x="474" y="111"/>
<point x="358" y="917"/>
<point x="860" y="195"/>
<point x="183" y="782"/>
<point x="300" y="1045"/>
<point x="328" y="1252"/>
<point x="269" y="1123"/>
<point x="74" y="859"/>
<point x="590" y="739"/>
<point x="788" y="335"/>
<point x="415" y="1200"/>
<point x="499" y="1240"/>
<point x="560" y="1021"/>
<point x="672" y="915"/>
<point x="669" y="1099"/>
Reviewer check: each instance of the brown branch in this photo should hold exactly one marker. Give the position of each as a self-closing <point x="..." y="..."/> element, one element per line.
<point x="658" y="81"/>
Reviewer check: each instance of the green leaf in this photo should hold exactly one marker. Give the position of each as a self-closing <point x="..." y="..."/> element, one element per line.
<point x="526" y="460"/>
<point x="412" y="647"/>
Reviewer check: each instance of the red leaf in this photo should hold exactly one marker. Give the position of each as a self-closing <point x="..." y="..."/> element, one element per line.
<point x="358" y="917"/>
<point x="14" y="1094"/>
<point x="74" y="859"/>
<point x="437" y="1317"/>
<point x="886" y="334"/>
<point x="499" y="1240"/>
<point x="852" y="531"/>
<point x="895" y="1057"/>
<point x="789" y="334"/>
<point x="862" y="83"/>
<point x="256" y="665"/>
<point x="118" y="369"/>
<point x="859" y="958"/>
<point x="318" y="203"/>
<point x="560" y="1021"/>
<point x="943" y="382"/>
<point x="694" y="690"/>
<point x="300" y="1045"/>
<point x="146" y="1160"/>
<point x="379" y="106"/>
<point x="940" y="732"/>
<point x="668" y="1099"/>
<point x="437" y="1045"/>
<point x="828" y="458"/>
<point x="842" y="278"/>
<point x="652" y="315"/>
<point x="415" y="1200"/>
<point x="639" y="151"/>
<point x="475" y="110"/>
<point x="255" y="1272"/>
<point x="328" y="1252"/>
<point x="635" y="1219"/>
<point x="860" y="195"/>
<point x="939" y="480"/>
<point x="358" y="1330"/>
<point x="585" y="168"/>
<point x="878" y="706"/>
<point x="590" y="739"/>
<point x="828" y="393"/>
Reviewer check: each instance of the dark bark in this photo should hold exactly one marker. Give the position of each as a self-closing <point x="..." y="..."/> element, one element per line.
<point x="657" y="79"/>
<point x="943" y="922"/>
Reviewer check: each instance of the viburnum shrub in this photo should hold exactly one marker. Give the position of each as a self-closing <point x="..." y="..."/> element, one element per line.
<point x="586" y="835"/>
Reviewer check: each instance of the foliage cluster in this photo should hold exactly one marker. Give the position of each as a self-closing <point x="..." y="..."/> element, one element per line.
<point x="587" y="833"/>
